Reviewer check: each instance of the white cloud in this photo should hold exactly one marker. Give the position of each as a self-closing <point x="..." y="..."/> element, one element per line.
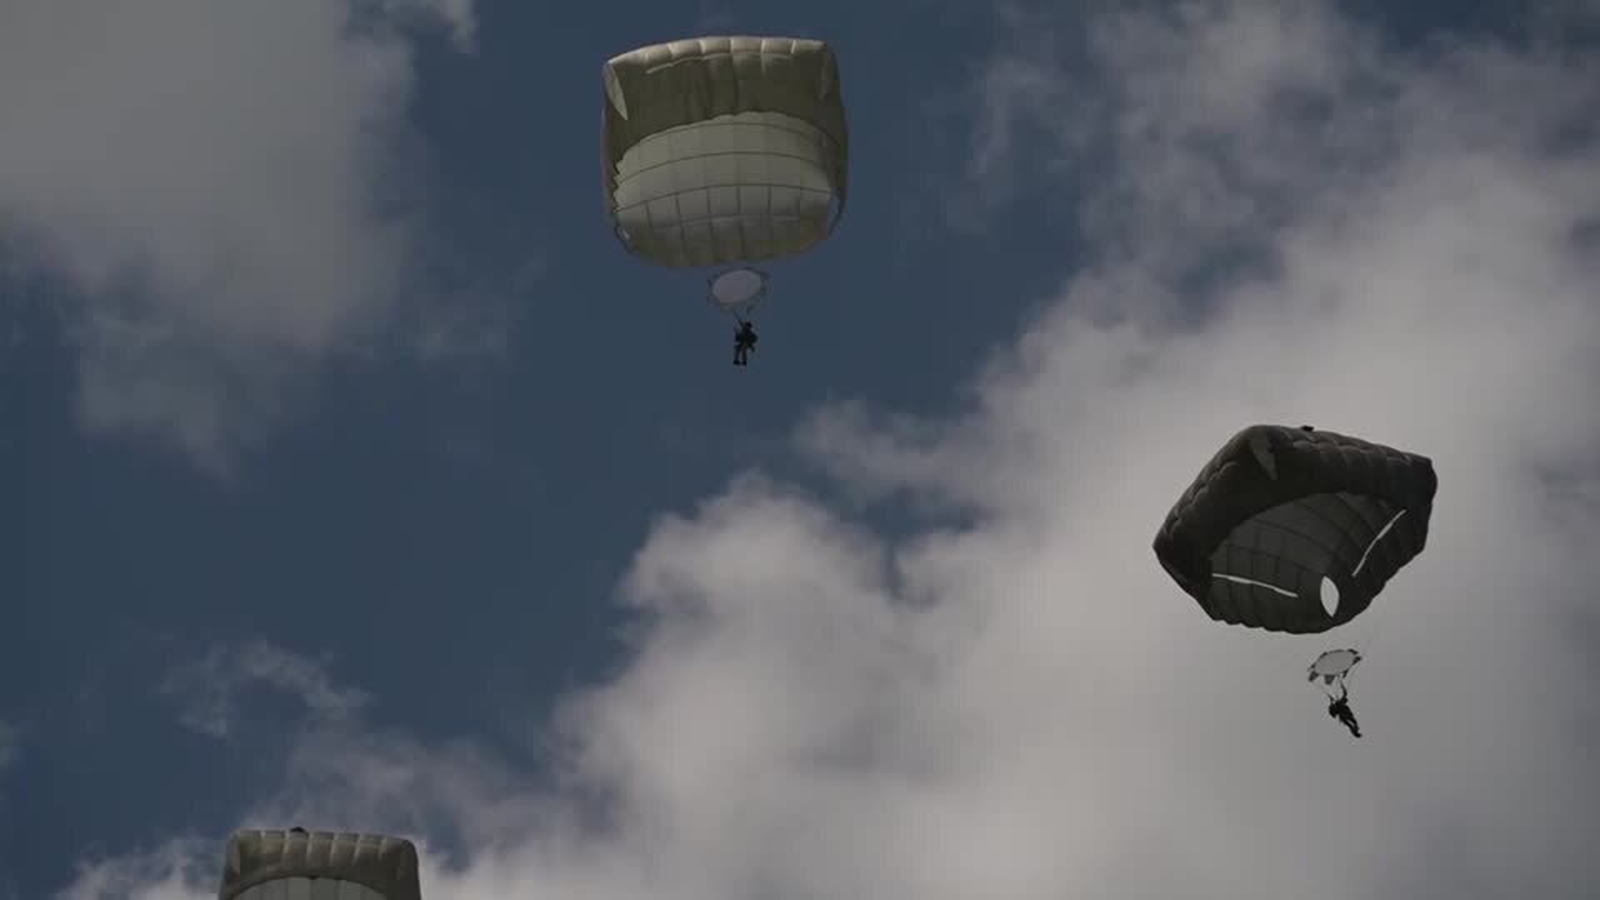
<point x="1026" y="707"/>
<point x="175" y="870"/>
<point x="225" y="186"/>
<point x="210" y="689"/>
<point x="460" y="17"/>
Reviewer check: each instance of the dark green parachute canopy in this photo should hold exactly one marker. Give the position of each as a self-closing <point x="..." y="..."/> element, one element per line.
<point x="1279" y="510"/>
<point x="319" y="865"/>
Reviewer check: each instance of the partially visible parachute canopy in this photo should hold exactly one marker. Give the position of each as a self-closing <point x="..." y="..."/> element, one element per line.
<point x="723" y="149"/>
<point x="737" y="291"/>
<point x="319" y="865"/>
<point x="1332" y="665"/>
<point x="1295" y="530"/>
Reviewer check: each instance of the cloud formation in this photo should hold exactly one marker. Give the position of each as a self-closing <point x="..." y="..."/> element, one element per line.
<point x="175" y="870"/>
<point x="1299" y="224"/>
<point x="224" y="189"/>
<point x="211" y="689"/>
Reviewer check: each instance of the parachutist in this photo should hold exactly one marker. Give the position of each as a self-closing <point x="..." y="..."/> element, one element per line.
<point x="714" y="163"/>
<point x="1340" y="709"/>
<point x="1297" y="531"/>
<point x="744" y="341"/>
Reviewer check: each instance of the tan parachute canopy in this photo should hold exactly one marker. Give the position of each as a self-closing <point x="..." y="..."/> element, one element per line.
<point x="319" y="865"/>
<point x="724" y="149"/>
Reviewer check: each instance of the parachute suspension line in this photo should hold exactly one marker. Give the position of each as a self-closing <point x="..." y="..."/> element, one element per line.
<point x="1369" y="636"/>
<point x="1361" y="634"/>
<point x="1370" y="625"/>
<point x="1333" y="689"/>
<point x="1358" y="636"/>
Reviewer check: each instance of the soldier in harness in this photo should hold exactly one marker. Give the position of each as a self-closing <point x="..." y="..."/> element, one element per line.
<point x="1339" y="708"/>
<point x="744" y="341"/>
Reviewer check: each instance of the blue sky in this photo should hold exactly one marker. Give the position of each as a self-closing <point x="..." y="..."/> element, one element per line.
<point x="366" y="482"/>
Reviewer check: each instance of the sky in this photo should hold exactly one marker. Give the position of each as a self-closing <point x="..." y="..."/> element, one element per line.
<point x="367" y="483"/>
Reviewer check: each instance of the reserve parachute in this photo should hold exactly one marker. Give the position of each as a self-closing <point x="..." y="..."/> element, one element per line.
<point x="722" y="152"/>
<point x="318" y="865"/>
<point x="1332" y="666"/>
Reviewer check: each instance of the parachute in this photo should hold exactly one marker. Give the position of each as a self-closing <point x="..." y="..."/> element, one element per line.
<point x="319" y="865"/>
<point x="737" y="291"/>
<point x="1332" y="666"/>
<point x="724" y="150"/>
<point x="1297" y="531"/>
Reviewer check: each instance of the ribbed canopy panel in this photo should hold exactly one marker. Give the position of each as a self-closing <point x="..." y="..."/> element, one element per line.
<point x="724" y="149"/>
